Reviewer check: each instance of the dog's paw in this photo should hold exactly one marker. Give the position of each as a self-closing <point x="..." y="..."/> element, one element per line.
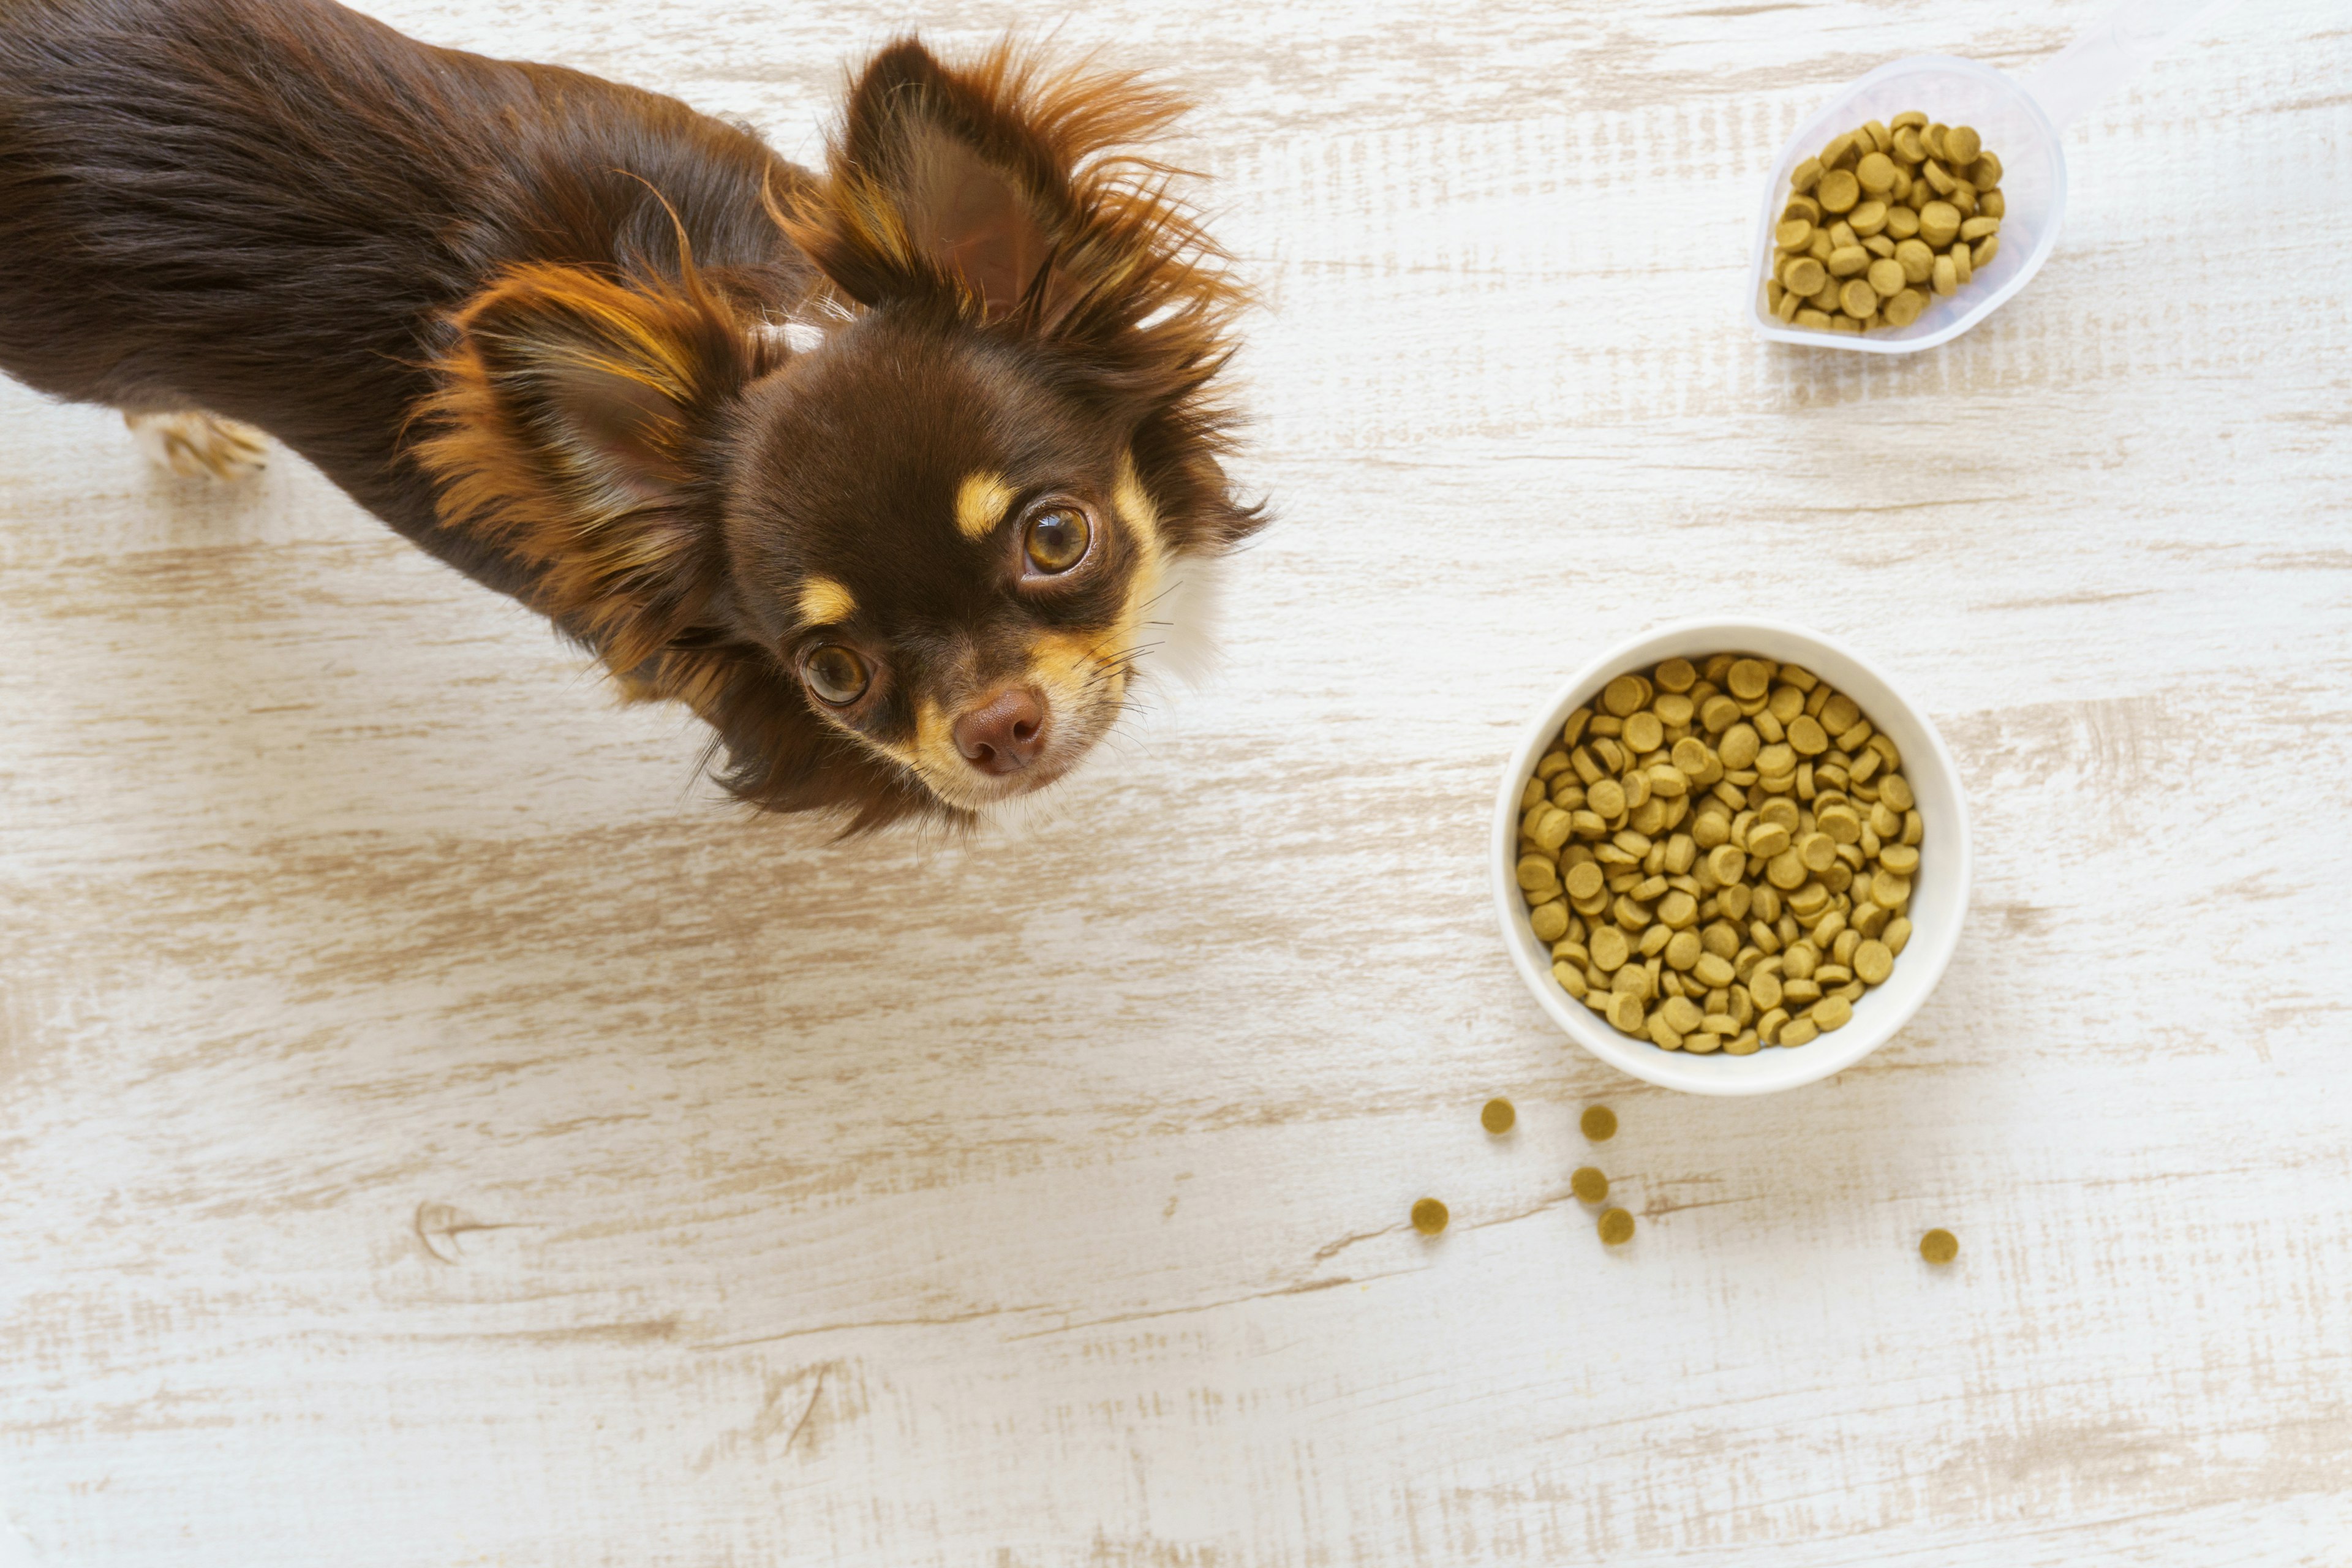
<point x="200" y="446"/>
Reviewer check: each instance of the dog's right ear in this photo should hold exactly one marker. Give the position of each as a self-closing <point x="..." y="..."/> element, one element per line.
<point x="574" y="428"/>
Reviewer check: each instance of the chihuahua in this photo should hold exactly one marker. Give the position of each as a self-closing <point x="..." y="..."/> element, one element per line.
<point x="882" y="471"/>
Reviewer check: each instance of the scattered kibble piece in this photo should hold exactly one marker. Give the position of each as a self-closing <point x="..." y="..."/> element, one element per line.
<point x="1589" y="1185"/>
<point x="1616" y="1226"/>
<point x="1498" y="1117"/>
<point x="1599" y="1124"/>
<point x="1740" y="883"/>
<point x="1940" y="1246"/>
<point x="1923" y="199"/>
<point x="1429" y="1216"/>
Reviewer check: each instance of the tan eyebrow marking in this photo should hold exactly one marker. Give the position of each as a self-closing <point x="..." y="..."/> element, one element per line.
<point x="982" y="502"/>
<point x="824" y="602"/>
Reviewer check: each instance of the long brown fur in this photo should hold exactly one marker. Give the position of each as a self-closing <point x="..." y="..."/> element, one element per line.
<point x="560" y="333"/>
<point x="614" y="566"/>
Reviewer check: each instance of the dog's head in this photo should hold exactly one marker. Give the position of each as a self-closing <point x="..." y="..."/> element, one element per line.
<point x="900" y="540"/>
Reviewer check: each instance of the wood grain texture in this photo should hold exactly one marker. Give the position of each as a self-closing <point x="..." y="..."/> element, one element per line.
<point x="438" y="1132"/>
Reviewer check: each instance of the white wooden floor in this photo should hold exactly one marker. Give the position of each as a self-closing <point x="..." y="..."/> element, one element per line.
<point x="433" y="1132"/>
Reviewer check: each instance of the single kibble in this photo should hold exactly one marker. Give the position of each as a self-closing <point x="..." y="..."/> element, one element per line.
<point x="1902" y="307"/>
<point x="1878" y="210"/>
<point x="1749" y="679"/>
<point x="1739" y="852"/>
<point x="1429" y="1216"/>
<point x="1498" y="1117"/>
<point x="1616" y="1228"/>
<point x="1626" y="1015"/>
<point x="1599" y="1123"/>
<point x="1940" y="1246"/>
<point x="1589" y="1185"/>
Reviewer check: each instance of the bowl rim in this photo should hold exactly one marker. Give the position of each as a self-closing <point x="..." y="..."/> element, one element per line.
<point x="1639" y="1059"/>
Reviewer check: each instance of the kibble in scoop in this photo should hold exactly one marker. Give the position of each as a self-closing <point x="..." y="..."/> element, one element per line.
<point x="1890" y="216"/>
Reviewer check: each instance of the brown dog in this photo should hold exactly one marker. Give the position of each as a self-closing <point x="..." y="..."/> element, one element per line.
<point x="881" y="471"/>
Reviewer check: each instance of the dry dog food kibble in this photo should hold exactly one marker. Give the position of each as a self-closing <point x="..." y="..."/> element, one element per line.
<point x="1599" y="1124"/>
<point x="1940" y="1246"/>
<point x="1429" y="1216"/>
<point x="1498" y="1117"/>
<point x="1616" y="1226"/>
<point x="1720" y="856"/>
<point x="1589" y="1185"/>
<point x="1890" y="216"/>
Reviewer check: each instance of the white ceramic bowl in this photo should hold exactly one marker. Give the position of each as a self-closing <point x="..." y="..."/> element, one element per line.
<point x="1939" y="897"/>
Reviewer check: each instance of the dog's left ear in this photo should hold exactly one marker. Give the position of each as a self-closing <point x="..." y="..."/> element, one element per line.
<point x="1014" y="193"/>
<point x="963" y="181"/>
<point x="574" y="428"/>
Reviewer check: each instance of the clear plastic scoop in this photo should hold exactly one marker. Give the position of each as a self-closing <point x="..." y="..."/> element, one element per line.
<point x="2019" y="120"/>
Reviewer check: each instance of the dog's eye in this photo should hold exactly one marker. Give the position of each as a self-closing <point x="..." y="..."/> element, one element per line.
<point x="835" y="674"/>
<point x="1057" y="539"/>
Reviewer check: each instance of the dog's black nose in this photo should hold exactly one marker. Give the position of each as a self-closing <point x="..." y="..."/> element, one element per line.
<point x="1003" y="734"/>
